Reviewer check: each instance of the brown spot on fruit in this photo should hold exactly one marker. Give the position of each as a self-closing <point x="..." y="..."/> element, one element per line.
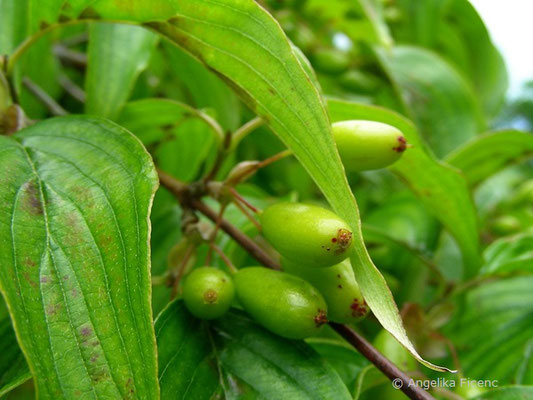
<point x="402" y="145"/>
<point x="344" y="239"/>
<point x="358" y="310"/>
<point x="333" y="240"/>
<point x="320" y="318"/>
<point x="339" y="286"/>
<point x="210" y="296"/>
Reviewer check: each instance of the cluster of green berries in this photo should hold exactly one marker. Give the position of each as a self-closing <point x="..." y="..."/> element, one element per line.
<point x="317" y="284"/>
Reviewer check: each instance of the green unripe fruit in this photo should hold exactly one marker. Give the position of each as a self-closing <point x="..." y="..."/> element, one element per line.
<point x="359" y="81"/>
<point x="365" y="145"/>
<point x="307" y="234"/>
<point x="331" y="61"/>
<point x="208" y="292"/>
<point x="394" y="351"/>
<point x="338" y="286"/>
<point x="282" y="303"/>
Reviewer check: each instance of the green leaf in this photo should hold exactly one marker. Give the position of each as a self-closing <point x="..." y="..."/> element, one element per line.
<point x="146" y="117"/>
<point x="74" y="209"/>
<point x="205" y="89"/>
<point x="13" y="368"/>
<point x="40" y="65"/>
<point x="487" y="154"/>
<point x="508" y="393"/>
<point x="273" y="367"/>
<point x="435" y="95"/>
<point x="508" y="254"/>
<point x="117" y="54"/>
<point x="186" y="368"/>
<point x="441" y="188"/>
<point x="347" y="361"/>
<point x="374" y="13"/>
<point x="482" y="62"/>
<point x="12" y="24"/>
<point x="422" y="20"/>
<point x="250" y="360"/>
<point x="493" y="331"/>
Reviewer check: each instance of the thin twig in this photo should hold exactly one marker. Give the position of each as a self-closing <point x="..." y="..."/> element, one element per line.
<point x="215" y="232"/>
<point x="255" y="251"/>
<point x="71" y="88"/>
<point x="70" y="57"/>
<point x="181" y="270"/>
<point x="274" y="158"/>
<point x="238" y="197"/>
<point x="247" y="214"/>
<point x="223" y="257"/>
<point x="43" y="97"/>
<point x="76" y="40"/>
<point x="244" y="130"/>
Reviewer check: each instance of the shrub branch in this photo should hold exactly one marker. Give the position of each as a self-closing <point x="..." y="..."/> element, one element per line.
<point x="357" y="341"/>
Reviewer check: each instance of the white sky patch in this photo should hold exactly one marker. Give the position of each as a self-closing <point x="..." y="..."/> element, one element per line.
<point x="510" y="23"/>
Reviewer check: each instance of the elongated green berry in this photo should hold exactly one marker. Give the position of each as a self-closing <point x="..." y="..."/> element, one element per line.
<point x="208" y="292"/>
<point x="338" y="286"/>
<point x="358" y="81"/>
<point x="365" y="145"/>
<point x="283" y="303"/>
<point x="331" y="61"/>
<point x="394" y="351"/>
<point x="307" y="234"/>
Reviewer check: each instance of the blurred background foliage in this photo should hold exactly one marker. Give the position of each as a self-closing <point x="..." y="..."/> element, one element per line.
<point x="432" y="61"/>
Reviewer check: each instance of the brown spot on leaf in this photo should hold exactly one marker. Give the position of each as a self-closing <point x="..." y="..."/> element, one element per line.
<point x="29" y="262"/>
<point x="86" y="331"/>
<point x="32" y="201"/>
<point x="52" y="309"/>
<point x="28" y="279"/>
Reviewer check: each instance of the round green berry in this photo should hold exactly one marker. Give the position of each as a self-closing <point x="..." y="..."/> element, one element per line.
<point x="208" y="292"/>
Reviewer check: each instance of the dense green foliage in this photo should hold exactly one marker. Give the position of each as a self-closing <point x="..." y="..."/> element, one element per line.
<point x="232" y="101"/>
